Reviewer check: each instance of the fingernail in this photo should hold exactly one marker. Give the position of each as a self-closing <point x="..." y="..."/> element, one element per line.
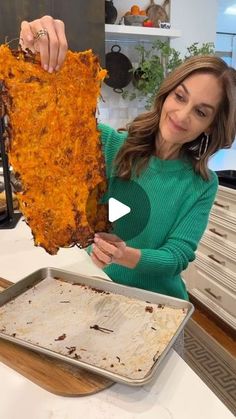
<point x="57" y="68"/>
<point x="50" y="70"/>
<point x="29" y="38"/>
<point x="96" y="239"/>
<point x="45" y="67"/>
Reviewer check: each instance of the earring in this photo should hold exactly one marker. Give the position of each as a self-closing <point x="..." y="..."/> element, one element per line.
<point x="202" y="147"/>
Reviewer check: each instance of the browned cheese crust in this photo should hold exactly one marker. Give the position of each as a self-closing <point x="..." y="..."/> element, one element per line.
<point x="55" y="147"/>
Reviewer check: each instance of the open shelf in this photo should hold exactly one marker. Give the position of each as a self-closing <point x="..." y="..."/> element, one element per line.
<point x="138" y="33"/>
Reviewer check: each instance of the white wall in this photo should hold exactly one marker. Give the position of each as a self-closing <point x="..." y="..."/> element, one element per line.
<point x="197" y="21"/>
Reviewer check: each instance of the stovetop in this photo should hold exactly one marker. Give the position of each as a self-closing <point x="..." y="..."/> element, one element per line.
<point x="227" y="178"/>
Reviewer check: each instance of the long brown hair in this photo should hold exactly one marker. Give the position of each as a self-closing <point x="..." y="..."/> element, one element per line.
<point x="139" y="146"/>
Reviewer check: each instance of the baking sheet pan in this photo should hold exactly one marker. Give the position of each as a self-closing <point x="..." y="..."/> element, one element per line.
<point x="120" y="332"/>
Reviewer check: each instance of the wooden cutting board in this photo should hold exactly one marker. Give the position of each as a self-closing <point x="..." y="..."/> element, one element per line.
<point x="53" y="375"/>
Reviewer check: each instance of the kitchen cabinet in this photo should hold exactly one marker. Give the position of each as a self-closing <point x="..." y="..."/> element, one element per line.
<point x="211" y="278"/>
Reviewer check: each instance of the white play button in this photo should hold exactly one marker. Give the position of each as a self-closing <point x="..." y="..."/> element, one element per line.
<point x="116" y="209"/>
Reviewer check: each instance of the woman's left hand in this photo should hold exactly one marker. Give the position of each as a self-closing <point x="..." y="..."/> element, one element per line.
<point x="107" y="249"/>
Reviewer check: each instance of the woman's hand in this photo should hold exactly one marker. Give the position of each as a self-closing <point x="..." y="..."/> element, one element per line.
<point x="108" y="248"/>
<point x="46" y="36"/>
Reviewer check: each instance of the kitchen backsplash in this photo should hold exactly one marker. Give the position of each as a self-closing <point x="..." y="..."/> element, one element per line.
<point x="116" y="111"/>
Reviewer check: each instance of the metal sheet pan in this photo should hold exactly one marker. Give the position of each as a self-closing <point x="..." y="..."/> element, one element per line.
<point x="117" y="331"/>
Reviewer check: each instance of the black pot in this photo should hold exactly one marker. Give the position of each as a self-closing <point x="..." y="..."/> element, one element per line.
<point x="119" y="69"/>
<point x="110" y="12"/>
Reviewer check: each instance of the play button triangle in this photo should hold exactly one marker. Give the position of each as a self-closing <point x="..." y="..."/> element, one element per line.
<point x="116" y="209"/>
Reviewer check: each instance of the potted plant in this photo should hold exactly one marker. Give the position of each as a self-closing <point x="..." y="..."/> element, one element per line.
<point x="154" y="65"/>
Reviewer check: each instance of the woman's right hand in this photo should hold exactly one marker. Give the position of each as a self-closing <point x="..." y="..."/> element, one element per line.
<point x="46" y="36"/>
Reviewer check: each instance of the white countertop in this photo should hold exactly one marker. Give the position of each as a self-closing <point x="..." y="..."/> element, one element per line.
<point x="175" y="393"/>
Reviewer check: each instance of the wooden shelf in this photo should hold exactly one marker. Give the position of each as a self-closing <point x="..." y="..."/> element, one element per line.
<point x="138" y="33"/>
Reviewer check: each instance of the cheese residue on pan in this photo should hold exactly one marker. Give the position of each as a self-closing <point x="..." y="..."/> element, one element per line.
<point x="110" y="331"/>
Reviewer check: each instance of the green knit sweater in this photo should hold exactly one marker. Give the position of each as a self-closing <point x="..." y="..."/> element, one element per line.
<point x="180" y="204"/>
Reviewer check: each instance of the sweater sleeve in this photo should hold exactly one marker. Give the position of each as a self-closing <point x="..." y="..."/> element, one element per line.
<point x="111" y="138"/>
<point x="111" y="141"/>
<point x="173" y="257"/>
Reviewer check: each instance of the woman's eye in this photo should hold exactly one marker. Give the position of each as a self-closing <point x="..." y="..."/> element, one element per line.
<point x="200" y="113"/>
<point x="179" y="97"/>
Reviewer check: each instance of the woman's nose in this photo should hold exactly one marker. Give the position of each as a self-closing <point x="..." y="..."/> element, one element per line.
<point x="183" y="114"/>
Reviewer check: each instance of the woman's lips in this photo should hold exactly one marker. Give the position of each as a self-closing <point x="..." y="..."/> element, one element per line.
<point x="176" y="126"/>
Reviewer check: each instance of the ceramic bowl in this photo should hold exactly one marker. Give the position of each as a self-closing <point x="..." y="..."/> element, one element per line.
<point x="134" y="20"/>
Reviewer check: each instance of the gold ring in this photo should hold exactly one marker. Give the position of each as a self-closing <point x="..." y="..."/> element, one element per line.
<point x="40" y="34"/>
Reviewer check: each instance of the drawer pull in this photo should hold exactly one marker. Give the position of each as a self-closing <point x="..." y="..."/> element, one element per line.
<point x="221" y="205"/>
<point x="213" y="230"/>
<point x="217" y="297"/>
<point x="221" y="262"/>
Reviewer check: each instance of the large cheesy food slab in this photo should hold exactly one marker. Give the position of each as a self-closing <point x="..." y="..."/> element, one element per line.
<point x="55" y="147"/>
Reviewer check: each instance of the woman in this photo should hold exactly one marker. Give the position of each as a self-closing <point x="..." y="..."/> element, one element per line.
<point x="166" y="152"/>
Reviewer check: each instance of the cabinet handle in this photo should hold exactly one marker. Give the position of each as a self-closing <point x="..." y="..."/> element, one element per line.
<point x="217" y="297"/>
<point x="221" y="262"/>
<point x="213" y="230"/>
<point x="221" y="205"/>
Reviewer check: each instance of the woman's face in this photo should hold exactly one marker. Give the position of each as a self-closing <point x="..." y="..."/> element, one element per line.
<point x="190" y="109"/>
